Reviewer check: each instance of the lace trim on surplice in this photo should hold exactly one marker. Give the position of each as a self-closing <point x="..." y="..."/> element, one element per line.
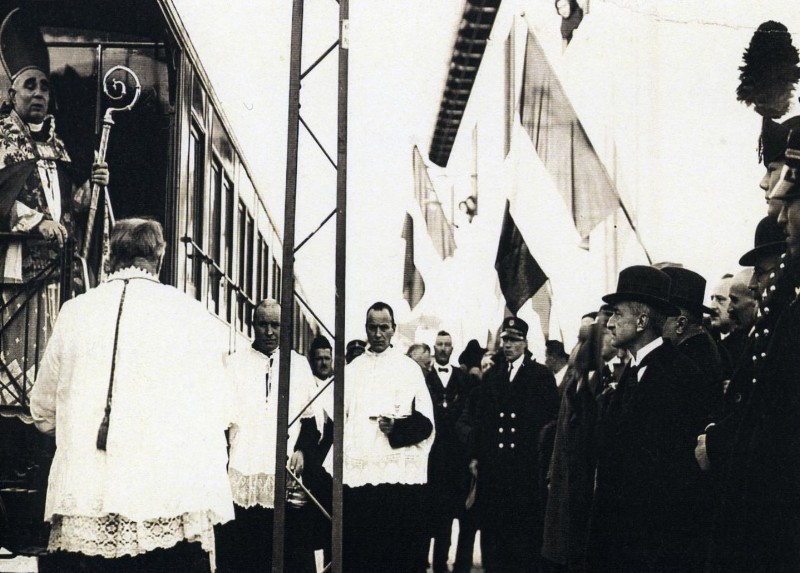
<point x="112" y="536"/>
<point x="251" y="490"/>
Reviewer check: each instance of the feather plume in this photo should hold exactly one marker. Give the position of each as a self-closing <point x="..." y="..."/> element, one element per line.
<point x="770" y="71"/>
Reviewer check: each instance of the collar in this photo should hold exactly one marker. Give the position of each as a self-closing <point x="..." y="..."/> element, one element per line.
<point x="370" y="352"/>
<point x="131" y="273"/>
<point x="48" y="124"/>
<point x="636" y="359"/>
<point x="517" y="364"/>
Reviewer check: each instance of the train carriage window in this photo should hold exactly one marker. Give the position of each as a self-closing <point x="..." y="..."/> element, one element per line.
<point x="276" y="280"/>
<point x="215" y="238"/>
<point x="195" y="206"/>
<point x="264" y="269"/>
<point x="259" y="263"/>
<point x="221" y="142"/>
<point x="250" y="262"/>
<point x="230" y="209"/>
<point x="198" y="96"/>
<point x="243" y="255"/>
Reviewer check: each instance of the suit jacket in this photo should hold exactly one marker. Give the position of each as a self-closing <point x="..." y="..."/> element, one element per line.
<point x="507" y="420"/>
<point x="704" y="352"/>
<point x="649" y="505"/>
<point x="448" y="463"/>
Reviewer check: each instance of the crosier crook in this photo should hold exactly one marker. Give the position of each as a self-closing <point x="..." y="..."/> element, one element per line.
<point x="115" y="90"/>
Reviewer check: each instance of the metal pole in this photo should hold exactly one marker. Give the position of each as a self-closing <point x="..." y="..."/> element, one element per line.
<point x="341" y="250"/>
<point x="287" y="289"/>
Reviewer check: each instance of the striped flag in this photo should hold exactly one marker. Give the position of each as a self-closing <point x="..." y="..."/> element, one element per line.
<point x="439" y="228"/>
<point x="519" y="274"/>
<point x="562" y="144"/>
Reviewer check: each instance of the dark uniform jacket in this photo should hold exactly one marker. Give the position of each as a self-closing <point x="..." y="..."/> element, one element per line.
<point x="507" y="419"/>
<point x="758" y="523"/>
<point x="650" y="502"/>
<point x="448" y="463"/>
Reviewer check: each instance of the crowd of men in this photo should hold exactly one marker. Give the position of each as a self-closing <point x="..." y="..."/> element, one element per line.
<point x="666" y="440"/>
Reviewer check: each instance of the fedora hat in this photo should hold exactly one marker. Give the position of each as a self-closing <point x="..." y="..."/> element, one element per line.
<point x="687" y="290"/>
<point x="769" y="240"/>
<point x="641" y="283"/>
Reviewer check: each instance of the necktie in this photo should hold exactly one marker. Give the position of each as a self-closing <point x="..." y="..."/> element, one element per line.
<point x="510" y="372"/>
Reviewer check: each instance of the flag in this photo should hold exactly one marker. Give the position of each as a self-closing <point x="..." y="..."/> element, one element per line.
<point x="519" y="274"/>
<point x="439" y="228"/>
<point x="542" y="304"/>
<point x="562" y="144"/>
<point x="413" y="285"/>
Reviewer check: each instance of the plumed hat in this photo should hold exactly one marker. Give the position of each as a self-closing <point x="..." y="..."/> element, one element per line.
<point x="770" y="240"/>
<point x="788" y="186"/>
<point x="687" y="290"/>
<point x="770" y="70"/>
<point x="641" y="283"/>
<point x="22" y="46"/>
<point x="774" y="138"/>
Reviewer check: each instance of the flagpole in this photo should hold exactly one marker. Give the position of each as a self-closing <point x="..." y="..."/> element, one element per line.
<point x="635" y="230"/>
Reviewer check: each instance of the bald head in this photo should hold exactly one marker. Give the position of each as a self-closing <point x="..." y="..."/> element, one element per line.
<point x="742" y="304"/>
<point x="267" y="326"/>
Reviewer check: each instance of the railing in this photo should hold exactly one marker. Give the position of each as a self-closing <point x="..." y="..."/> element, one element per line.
<point x="27" y="312"/>
<point x="220" y="288"/>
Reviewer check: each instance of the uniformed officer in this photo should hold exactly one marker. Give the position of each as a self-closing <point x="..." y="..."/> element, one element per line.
<point x="516" y="399"/>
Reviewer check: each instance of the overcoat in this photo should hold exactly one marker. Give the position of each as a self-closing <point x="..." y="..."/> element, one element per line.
<point x="650" y="507"/>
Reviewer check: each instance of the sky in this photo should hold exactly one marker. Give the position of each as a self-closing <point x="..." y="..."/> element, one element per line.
<point x="653" y="82"/>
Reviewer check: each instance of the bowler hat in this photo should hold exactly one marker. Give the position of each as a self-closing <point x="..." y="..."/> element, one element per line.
<point x="641" y="283"/>
<point x="770" y="240"/>
<point x="514" y="327"/>
<point x="687" y="290"/>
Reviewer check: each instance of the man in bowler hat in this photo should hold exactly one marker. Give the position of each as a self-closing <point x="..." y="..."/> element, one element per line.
<point x="687" y="333"/>
<point x="649" y="507"/>
<point x="515" y="400"/>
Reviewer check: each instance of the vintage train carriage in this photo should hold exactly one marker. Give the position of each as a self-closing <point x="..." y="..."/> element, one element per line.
<point x="173" y="158"/>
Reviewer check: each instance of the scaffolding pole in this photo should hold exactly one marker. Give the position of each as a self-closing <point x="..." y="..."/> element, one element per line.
<point x="341" y="250"/>
<point x="287" y="288"/>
